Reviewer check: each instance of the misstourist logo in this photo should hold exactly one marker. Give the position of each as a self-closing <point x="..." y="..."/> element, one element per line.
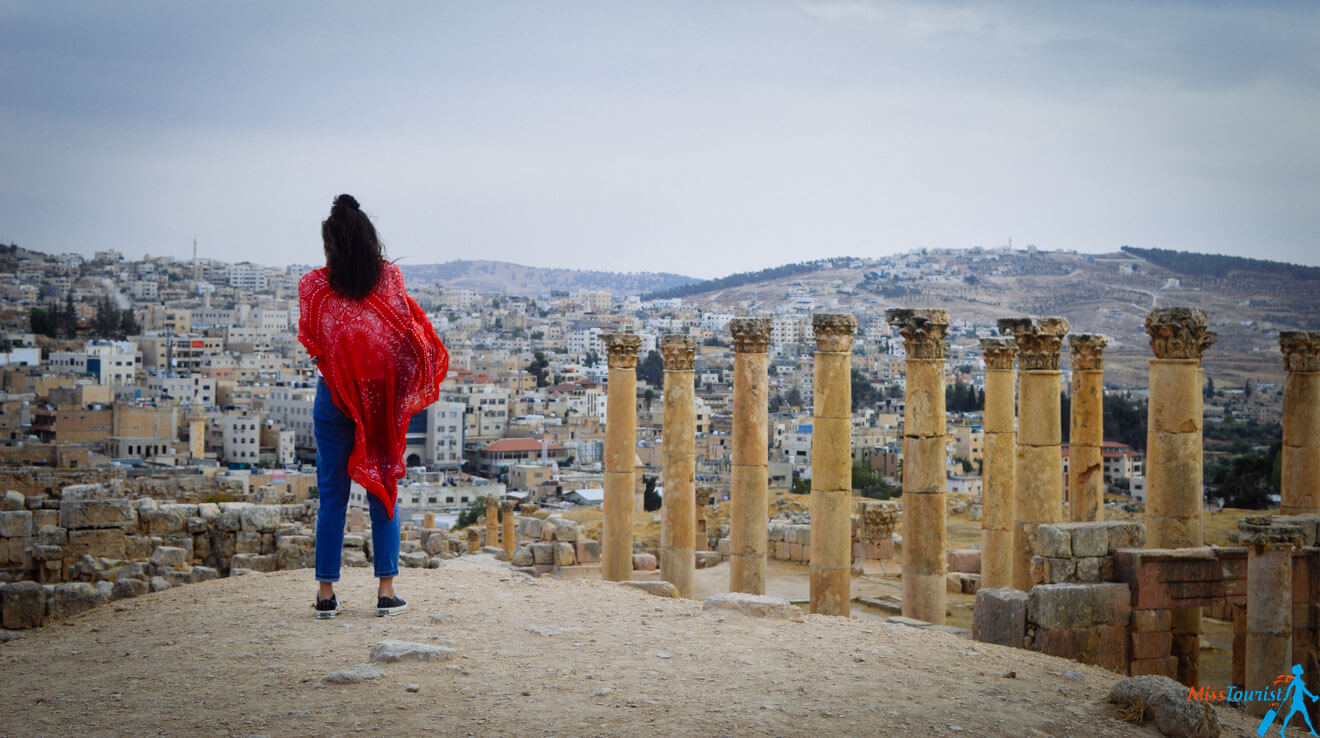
<point x="1287" y="697"/>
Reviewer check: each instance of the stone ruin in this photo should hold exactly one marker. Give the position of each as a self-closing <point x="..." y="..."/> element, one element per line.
<point x="92" y="544"/>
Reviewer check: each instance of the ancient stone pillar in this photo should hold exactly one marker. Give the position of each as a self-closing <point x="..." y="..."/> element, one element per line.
<point x="620" y="455"/>
<point x="1038" y="471"/>
<point x="428" y="521"/>
<point x="679" y="505"/>
<point x="492" y="521"/>
<point x="1086" y="463"/>
<point x="999" y="456"/>
<point x="831" y="466"/>
<point x="924" y="457"/>
<point x="1269" y="647"/>
<point x="749" y="507"/>
<point x="507" y="536"/>
<point x="1300" y="486"/>
<point x="1174" y="493"/>
<point x="473" y="539"/>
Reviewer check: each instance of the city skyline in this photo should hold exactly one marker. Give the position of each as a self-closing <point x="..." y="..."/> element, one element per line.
<point x="682" y="138"/>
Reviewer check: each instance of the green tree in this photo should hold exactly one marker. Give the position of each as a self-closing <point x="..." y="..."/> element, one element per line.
<point x="869" y="484"/>
<point x="652" y="369"/>
<point x="650" y="498"/>
<point x="128" y="324"/>
<point x="540" y="368"/>
<point x="800" y="486"/>
<point x="1247" y="481"/>
<point x="106" y="323"/>
<point x="864" y="394"/>
<point x="592" y="358"/>
<point x="41" y="322"/>
<point x="1125" y="420"/>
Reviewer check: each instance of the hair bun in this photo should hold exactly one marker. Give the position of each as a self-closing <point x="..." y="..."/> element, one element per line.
<point x="346" y="201"/>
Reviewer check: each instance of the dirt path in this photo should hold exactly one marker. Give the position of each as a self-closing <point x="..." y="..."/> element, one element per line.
<point x="244" y="656"/>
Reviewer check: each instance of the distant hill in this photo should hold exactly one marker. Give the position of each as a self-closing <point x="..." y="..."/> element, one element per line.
<point x="1217" y="265"/>
<point x="516" y="279"/>
<point x="741" y="279"/>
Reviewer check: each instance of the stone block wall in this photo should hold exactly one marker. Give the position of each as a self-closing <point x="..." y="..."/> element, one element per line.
<point x="92" y="544"/>
<point x="1081" y="552"/>
<point x="546" y="544"/>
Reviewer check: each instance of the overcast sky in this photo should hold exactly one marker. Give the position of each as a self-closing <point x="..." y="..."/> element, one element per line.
<point x="701" y="138"/>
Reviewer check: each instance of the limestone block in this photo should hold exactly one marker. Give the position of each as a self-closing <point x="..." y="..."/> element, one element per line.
<point x="530" y="527"/>
<point x="565" y="555"/>
<point x="228" y="521"/>
<point x="644" y="562"/>
<point x="724" y="547"/>
<point x="1053" y="540"/>
<point x="1126" y="534"/>
<point x="522" y="556"/>
<point x="42" y="518"/>
<point x="1088" y="539"/>
<point x="1061" y="606"/>
<point x="355" y="540"/>
<point x="115" y="512"/>
<point x="1166" y="667"/>
<point x="1000" y="616"/>
<point x="107" y="542"/>
<point x="66" y="600"/>
<point x="179" y="540"/>
<point x="1095" y="569"/>
<point x="965" y="560"/>
<point x="296" y="552"/>
<point x="781" y="551"/>
<point x="752" y="605"/>
<point x="47" y="553"/>
<point x="15" y="524"/>
<point x="707" y="559"/>
<point x="1112" y="603"/>
<point x="354" y="557"/>
<point x="208" y="511"/>
<point x="1050" y="570"/>
<point x="1100" y="645"/>
<point x="247" y="542"/>
<point x="203" y="573"/>
<point x="170" y="557"/>
<point x="22" y="605"/>
<point x="588" y="551"/>
<point x="1039" y="422"/>
<point x="999" y="405"/>
<point x="160" y="584"/>
<point x="256" y="562"/>
<point x="124" y="588"/>
<point x="411" y="559"/>
<point x="1150" y="621"/>
<point x="543" y="553"/>
<point x="13" y="501"/>
<point x="1153" y="645"/>
<point x="1175" y="392"/>
<point x="566" y="531"/>
<point x="138" y="548"/>
<point x="775" y="533"/>
<point x="260" y="518"/>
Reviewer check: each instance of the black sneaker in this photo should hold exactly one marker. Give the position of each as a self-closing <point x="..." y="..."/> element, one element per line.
<point x="390" y="606"/>
<point x="328" y="608"/>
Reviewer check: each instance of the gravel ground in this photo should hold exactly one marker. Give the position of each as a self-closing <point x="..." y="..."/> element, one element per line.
<point x="245" y="656"/>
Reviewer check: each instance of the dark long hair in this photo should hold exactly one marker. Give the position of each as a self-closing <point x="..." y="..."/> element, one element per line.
<point x="353" y="254"/>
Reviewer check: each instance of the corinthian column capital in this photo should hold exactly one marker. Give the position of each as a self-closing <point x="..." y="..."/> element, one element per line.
<point x="1301" y="350"/>
<point x="621" y="349"/>
<point x="1178" y="333"/>
<point x="999" y="353"/>
<point x="1039" y="340"/>
<point x="1088" y="351"/>
<point x="834" y="331"/>
<point x="750" y="335"/>
<point x="923" y="331"/>
<point x="679" y="352"/>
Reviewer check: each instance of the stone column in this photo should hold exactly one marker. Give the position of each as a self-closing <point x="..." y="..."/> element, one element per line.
<point x="428" y="521"/>
<point x="749" y="508"/>
<point x="1269" y="647"/>
<point x="620" y="454"/>
<point x="1174" y="496"/>
<point x="831" y="466"/>
<point x="1301" y="423"/>
<point x="1086" y="463"/>
<point x="679" y="505"/>
<point x="1038" y="471"/>
<point x="997" y="466"/>
<point x="924" y="459"/>
<point x="507" y="538"/>
<point x="473" y="539"/>
<point x="492" y="521"/>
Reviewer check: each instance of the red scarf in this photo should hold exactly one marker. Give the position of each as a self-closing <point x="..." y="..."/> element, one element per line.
<point x="383" y="363"/>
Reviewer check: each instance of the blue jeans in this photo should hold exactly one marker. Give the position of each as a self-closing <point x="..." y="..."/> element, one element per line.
<point x="334" y="442"/>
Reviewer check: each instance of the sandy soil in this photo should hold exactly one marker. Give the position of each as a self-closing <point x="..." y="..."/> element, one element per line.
<point x="244" y="656"/>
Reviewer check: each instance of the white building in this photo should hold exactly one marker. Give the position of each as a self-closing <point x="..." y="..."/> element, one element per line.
<point x="248" y="277"/>
<point x="193" y="389"/>
<point x="291" y="407"/>
<point x="242" y="438"/>
<point x="435" y="436"/>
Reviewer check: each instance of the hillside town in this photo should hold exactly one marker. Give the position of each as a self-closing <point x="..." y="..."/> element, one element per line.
<point x="192" y="368"/>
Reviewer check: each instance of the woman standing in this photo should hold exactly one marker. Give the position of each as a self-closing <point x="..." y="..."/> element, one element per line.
<point x="379" y="362"/>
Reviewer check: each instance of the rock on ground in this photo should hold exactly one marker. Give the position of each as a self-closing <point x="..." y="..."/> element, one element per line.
<point x="359" y="673"/>
<point x="395" y="650"/>
<point x="1165" y="702"/>
<point x="759" y="606"/>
